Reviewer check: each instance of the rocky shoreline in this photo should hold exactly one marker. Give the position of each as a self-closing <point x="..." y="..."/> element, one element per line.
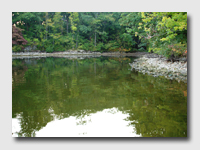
<point x="73" y="54"/>
<point x="156" y="65"/>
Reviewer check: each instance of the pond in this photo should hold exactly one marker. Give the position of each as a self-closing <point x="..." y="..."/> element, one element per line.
<point x="94" y="97"/>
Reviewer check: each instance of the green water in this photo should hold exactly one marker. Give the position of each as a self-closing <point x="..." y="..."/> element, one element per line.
<point x="95" y="97"/>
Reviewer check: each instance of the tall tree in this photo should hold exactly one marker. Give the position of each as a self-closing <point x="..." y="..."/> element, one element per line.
<point x="131" y="22"/>
<point x="74" y="19"/>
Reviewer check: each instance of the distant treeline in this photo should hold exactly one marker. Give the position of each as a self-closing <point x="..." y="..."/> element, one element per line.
<point x="164" y="33"/>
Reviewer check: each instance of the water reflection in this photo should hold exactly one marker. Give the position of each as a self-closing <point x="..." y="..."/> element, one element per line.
<point x="94" y="97"/>
<point x="106" y="123"/>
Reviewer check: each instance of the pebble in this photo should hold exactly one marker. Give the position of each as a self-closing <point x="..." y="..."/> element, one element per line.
<point x="158" y="66"/>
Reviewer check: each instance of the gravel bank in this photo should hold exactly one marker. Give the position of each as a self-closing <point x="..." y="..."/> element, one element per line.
<point x="156" y="65"/>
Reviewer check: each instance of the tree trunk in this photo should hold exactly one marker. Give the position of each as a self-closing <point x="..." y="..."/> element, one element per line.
<point x="95" y="39"/>
<point x="67" y="24"/>
<point x="77" y="40"/>
<point x="61" y="31"/>
<point x="95" y="31"/>
<point x="73" y="41"/>
<point x="46" y="23"/>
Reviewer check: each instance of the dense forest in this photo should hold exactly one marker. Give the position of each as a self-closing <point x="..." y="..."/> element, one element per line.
<point x="164" y="33"/>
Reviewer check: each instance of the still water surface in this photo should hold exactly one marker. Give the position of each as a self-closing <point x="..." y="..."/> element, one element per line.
<point x="94" y="97"/>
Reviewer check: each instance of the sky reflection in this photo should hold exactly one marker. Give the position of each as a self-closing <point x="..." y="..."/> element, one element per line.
<point x="106" y="123"/>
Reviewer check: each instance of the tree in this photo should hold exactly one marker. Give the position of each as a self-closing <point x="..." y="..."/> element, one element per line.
<point x="166" y="32"/>
<point x="74" y="19"/>
<point x="66" y="19"/>
<point x="17" y="38"/>
<point x="131" y="22"/>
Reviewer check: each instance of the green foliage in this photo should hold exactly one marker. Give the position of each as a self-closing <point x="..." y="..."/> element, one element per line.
<point x="17" y="48"/>
<point x="86" y="45"/>
<point x="74" y="20"/>
<point x="166" y="32"/>
<point x="141" y="46"/>
<point x="49" y="49"/>
<point x="100" y="47"/>
<point x="130" y="39"/>
<point x="161" y="32"/>
<point x="85" y="29"/>
<point x="112" y="46"/>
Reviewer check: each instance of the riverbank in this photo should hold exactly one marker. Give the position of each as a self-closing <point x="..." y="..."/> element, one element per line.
<point x="156" y="65"/>
<point x="74" y="54"/>
<point x="80" y="52"/>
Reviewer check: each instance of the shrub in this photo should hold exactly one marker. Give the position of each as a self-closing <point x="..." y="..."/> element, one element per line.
<point x="100" y="47"/>
<point x="17" y="48"/>
<point x="49" y="49"/>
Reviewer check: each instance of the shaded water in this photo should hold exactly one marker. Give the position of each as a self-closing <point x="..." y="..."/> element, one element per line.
<point x="96" y="97"/>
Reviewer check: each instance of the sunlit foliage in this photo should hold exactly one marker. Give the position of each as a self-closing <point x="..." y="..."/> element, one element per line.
<point x="164" y="33"/>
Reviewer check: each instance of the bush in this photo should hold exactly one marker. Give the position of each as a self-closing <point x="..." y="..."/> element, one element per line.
<point x="59" y="48"/>
<point x="17" y="48"/>
<point x="100" y="47"/>
<point x="112" y="46"/>
<point x="178" y="49"/>
<point x="49" y="49"/>
<point x="29" y="41"/>
<point x="174" y="49"/>
<point x="87" y="46"/>
<point x="33" y="42"/>
<point x="142" y="47"/>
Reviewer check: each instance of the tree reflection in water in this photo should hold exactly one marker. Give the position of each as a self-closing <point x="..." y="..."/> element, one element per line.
<point x="59" y="88"/>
